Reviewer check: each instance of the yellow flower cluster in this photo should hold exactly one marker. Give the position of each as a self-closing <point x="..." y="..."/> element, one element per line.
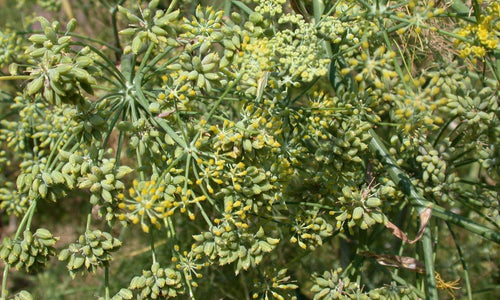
<point x="483" y="37"/>
<point x="150" y="202"/>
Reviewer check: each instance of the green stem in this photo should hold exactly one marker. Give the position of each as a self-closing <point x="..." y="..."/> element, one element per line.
<point x="462" y="260"/>
<point x="49" y="163"/>
<point x="429" y="265"/>
<point x="89" y="219"/>
<point x="118" y="47"/>
<point x="106" y="283"/>
<point x="113" y="123"/>
<point x="152" y="242"/>
<point x="119" y="148"/>
<point x="203" y="190"/>
<point x="113" y="69"/>
<point x="15" y="77"/>
<point x="202" y="211"/>
<point x="145" y="58"/>
<point x="26" y="219"/>
<point x="160" y="56"/>
<point x="141" y="99"/>
<point x="4" y="281"/>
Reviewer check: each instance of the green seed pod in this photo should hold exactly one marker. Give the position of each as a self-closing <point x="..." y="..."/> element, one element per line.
<point x="137" y="44"/>
<point x="106" y="195"/>
<point x="21" y="181"/>
<point x="373" y="202"/>
<point x="272" y="241"/>
<point x="205" y="46"/>
<point x="36" y="184"/>
<point x="425" y="176"/>
<point x="211" y="76"/>
<point x="106" y="186"/>
<point x="78" y="262"/>
<point x="64" y="254"/>
<point x="208" y="248"/>
<point x="38" y="38"/>
<point x="47" y="179"/>
<point x="192" y="75"/>
<point x="159" y="31"/>
<point x="200" y="83"/>
<point x="4" y="253"/>
<point x="172" y="42"/>
<point x="207" y="67"/>
<point x="42" y="190"/>
<point x="16" y="250"/>
<point x="196" y="61"/>
<point x="48" y="242"/>
<point x="70" y="181"/>
<point x="228" y="44"/>
<point x="347" y="192"/>
<point x="64" y="40"/>
<point x="75" y="159"/>
<point x="51" y="34"/>
<point x="64" y="155"/>
<point x="152" y="37"/>
<point x="161" y="282"/>
<point x="140" y="282"/>
<point x="125" y="294"/>
<point x="57" y="176"/>
<point x="377" y="216"/>
<point x="30" y="262"/>
<point x="98" y="251"/>
<point x="132" y="18"/>
<point x="357" y="213"/>
<point x="28" y="236"/>
<point x="24" y="256"/>
<point x="12" y="258"/>
<point x="256" y="17"/>
<point x="265" y="247"/>
<point x="37" y="52"/>
<point x="43" y="233"/>
<point x="127" y="31"/>
<point x="34" y="86"/>
<point x="166" y="19"/>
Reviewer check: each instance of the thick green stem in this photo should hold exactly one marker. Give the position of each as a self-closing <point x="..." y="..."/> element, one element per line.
<point x="106" y="283"/>
<point x="429" y="265"/>
<point x="118" y="47"/>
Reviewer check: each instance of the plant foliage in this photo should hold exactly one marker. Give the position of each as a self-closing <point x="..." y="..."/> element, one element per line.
<point x="259" y="149"/>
